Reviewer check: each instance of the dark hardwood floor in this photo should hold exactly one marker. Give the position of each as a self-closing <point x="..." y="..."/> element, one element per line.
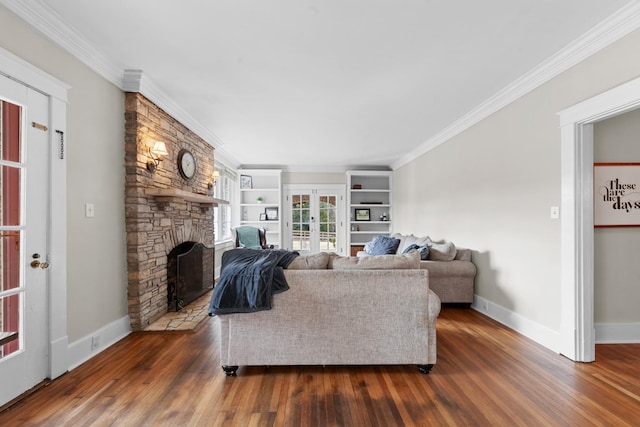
<point x="486" y="375"/>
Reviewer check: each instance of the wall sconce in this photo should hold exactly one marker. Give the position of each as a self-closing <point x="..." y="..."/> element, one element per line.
<point x="156" y="153"/>
<point x="214" y="179"/>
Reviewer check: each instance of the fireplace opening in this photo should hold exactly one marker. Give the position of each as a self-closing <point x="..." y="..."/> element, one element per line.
<point x="190" y="273"/>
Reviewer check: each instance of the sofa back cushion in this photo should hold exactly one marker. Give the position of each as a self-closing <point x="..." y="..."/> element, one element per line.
<point x="442" y="251"/>
<point x="317" y="261"/>
<point x="408" y="261"/>
<point x="382" y="245"/>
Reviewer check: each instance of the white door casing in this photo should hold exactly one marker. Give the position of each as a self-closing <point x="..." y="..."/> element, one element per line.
<point x="28" y="365"/>
<point x="50" y="95"/>
<point x="577" y="332"/>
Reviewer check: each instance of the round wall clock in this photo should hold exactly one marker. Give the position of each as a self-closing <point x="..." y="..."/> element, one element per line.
<point x="186" y="164"/>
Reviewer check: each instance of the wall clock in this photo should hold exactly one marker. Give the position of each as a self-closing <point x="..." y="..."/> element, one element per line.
<point x="186" y="164"/>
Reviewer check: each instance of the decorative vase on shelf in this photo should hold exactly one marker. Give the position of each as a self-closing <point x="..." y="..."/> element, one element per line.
<point x="259" y="199"/>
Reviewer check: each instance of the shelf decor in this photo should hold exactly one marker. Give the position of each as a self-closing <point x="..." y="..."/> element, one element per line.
<point x="363" y="215"/>
<point x="245" y="182"/>
<point x="616" y="194"/>
<point x="271" y="213"/>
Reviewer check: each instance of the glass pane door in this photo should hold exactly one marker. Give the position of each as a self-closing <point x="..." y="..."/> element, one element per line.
<point x="315" y="218"/>
<point x="300" y="222"/>
<point x="327" y="223"/>
<point x="10" y="227"/>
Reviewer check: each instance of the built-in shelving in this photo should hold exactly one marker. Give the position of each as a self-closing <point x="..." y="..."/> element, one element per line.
<point x="266" y="213"/>
<point x="369" y="191"/>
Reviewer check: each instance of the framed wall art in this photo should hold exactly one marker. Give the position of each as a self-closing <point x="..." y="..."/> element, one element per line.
<point x="616" y="194"/>
<point x="271" y="213"/>
<point x="363" y="215"/>
<point x="245" y="182"/>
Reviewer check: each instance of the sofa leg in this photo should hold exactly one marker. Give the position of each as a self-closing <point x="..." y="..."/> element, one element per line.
<point x="425" y="369"/>
<point x="229" y="371"/>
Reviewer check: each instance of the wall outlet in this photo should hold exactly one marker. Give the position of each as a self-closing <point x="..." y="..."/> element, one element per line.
<point x="95" y="342"/>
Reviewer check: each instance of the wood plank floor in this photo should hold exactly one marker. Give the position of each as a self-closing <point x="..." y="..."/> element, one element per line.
<point x="486" y="375"/>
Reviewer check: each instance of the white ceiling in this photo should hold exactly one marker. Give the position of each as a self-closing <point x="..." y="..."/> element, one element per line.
<point x="317" y="85"/>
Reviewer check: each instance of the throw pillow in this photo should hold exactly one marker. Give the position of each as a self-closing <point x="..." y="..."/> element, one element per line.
<point x="317" y="261"/>
<point x="382" y="245"/>
<point x="442" y="251"/>
<point x="422" y="250"/>
<point x="408" y="240"/>
<point x="408" y="261"/>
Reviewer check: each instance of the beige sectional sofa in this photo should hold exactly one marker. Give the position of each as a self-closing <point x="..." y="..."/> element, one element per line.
<point x="339" y="311"/>
<point x="451" y="271"/>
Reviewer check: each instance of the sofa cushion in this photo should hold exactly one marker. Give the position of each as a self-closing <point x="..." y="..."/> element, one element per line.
<point x="408" y="261"/>
<point x="317" y="261"/>
<point x="442" y="251"/>
<point x="382" y="245"/>
<point x="408" y="240"/>
<point x="422" y="250"/>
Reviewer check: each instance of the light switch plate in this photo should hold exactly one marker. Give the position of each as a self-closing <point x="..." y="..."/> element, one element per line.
<point x="555" y="212"/>
<point x="89" y="210"/>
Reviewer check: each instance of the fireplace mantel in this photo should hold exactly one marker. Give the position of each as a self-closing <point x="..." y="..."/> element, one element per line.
<point x="174" y="195"/>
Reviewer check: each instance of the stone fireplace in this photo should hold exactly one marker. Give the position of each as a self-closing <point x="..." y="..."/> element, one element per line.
<point x="162" y="209"/>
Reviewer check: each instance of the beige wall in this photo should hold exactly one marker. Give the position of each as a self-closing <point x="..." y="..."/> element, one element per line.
<point x="96" y="289"/>
<point x="616" y="290"/>
<point x="491" y="187"/>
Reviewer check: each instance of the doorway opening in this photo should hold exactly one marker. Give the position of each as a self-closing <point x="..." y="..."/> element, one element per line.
<point x="577" y="331"/>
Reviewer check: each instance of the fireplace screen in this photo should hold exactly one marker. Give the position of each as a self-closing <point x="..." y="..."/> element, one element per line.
<point x="190" y="273"/>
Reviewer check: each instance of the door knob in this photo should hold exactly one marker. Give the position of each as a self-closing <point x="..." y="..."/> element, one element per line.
<point x="37" y="264"/>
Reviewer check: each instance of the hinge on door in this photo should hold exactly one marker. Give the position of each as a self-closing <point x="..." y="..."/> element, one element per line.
<point x="39" y="126"/>
<point x="61" y="133"/>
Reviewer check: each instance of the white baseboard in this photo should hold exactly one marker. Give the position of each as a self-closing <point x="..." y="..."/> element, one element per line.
<point x="530" y="329"/>
<point x="81" y="350"/>
<point x="617" y="333"/>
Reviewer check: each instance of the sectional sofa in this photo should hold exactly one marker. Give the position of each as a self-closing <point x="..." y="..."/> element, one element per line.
<point x="339" y="311"/>
<point x="451" y="270"/>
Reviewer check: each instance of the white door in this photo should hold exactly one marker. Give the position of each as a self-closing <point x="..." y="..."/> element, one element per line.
<point x="24" y="153"/>
<point x="315" y="219"/>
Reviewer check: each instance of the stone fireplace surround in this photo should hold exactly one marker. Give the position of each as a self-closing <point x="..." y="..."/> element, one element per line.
<point x="162" y="209"/>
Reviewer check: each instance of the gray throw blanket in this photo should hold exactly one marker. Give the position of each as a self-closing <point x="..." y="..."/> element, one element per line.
<point x="248" y="279"/>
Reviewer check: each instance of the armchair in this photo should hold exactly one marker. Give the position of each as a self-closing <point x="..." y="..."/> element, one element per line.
<point x="251" y="237"/>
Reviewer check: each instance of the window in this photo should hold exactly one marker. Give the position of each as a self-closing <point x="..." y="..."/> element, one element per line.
<point x="222" y="213"/>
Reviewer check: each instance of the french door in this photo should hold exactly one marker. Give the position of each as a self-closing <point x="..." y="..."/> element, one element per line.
<point x="24" y="149"/>
<point x="315" y="218"/>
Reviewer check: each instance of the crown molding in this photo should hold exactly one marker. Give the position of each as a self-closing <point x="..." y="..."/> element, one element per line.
<point x="137" y="81"/>
<point x="42" y="17"/>
<point x="616" y="26"/>
<point x="38" y="14"/>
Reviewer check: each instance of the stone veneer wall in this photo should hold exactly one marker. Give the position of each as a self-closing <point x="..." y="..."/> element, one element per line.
<point x="154" y="227"/>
